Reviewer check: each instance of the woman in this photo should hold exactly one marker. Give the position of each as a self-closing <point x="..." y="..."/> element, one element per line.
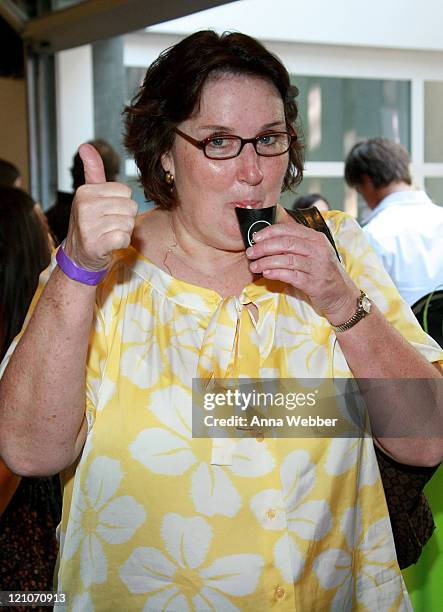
<point x="155" y="519"/>
<point x="29" y="508"/>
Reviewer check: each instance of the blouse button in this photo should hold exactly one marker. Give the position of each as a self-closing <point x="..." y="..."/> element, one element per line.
<point x="280" y="593"/>
<point x="260" y="436"/>
<point x="271" y="514"/>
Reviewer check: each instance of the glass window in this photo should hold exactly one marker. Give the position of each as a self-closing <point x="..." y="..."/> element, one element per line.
<point x="338" y="112"/>
<point x="433" y="115"/>
<point x="434" y="189"/>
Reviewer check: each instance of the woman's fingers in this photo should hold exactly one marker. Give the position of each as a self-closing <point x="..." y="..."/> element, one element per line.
<point x="288" y="238"/>
<point x="288" y="261"/>
<point x="102" y="216"/>
<point x="92" y="165"/>
<point x="303" y="258"/>
<point x="296" y="278"/>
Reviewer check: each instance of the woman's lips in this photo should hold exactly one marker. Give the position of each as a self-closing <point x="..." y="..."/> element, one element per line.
<point x="246" y="204"/>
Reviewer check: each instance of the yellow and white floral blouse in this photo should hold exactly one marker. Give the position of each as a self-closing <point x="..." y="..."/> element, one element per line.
<point x="154" y="519"/>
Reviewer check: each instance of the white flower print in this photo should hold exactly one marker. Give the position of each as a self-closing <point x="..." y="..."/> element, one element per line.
<point x="106" y="314"/>
<point x="250" y="459"/>
<point x="192" y="347"/>
<point x="81" y="603"/>
<point x="141" y="361"/>
<point x="179" y="580"/>
<point x="344" y="453"/>
<point x="107" y="390"/>
<point x="192" y="300"/>
<point x="169" y="451"/>
<point x="365" y="575"/>
<point x="210" y="487"/>
<point x="288" y="559"/>
<point x="97" y="516"/>
<point x="163" y="452"/>
<point x="172" y="407"/>
<point x="309" y="520"/>
<point x="311" y="340"/>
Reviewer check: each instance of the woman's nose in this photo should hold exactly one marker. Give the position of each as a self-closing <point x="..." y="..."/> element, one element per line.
<point x="249" y="169"/>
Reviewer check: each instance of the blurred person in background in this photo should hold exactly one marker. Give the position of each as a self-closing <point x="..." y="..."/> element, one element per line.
<point x="9" y="174"/>
<point x="29" y="507"/>
<point x="405" y="227"/>
<point x="58" y="215"/>
<point x="312" y="199"/>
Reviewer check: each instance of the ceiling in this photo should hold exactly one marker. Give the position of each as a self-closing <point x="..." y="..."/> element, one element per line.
<point x="90" y="20"/>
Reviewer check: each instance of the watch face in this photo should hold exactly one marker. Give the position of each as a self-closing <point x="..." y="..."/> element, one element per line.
<point x="366" y="304"/>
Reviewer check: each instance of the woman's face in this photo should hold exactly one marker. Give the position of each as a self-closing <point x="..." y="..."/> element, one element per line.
<point x="209" y="190"/>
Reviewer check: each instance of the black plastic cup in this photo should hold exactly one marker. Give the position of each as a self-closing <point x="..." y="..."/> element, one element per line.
<point x="252" y="220"/>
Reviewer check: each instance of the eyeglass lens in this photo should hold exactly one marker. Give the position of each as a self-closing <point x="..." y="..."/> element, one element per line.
<point x="221" y="147"/>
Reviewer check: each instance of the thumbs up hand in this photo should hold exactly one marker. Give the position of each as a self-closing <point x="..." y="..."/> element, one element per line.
<point x="102" y="216"/>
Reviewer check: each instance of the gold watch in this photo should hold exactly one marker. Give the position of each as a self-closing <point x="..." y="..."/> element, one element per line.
<point x="364" y="306"/>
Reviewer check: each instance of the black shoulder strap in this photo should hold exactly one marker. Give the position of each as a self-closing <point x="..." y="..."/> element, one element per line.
<point x="311" y="217"/>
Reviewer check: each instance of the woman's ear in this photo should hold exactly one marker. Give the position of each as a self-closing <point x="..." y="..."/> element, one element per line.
<point x="168" y="162"/>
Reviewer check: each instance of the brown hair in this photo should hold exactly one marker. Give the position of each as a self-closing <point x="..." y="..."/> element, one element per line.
<point x="171" y="92"/>
<point x="382" y="160"/>
<point x="24" y="253"/>
<point x="9" y="173"/>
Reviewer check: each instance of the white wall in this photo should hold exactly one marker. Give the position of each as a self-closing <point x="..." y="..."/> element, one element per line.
<point x="401" y="24"/>
<point x="75" y="107"/>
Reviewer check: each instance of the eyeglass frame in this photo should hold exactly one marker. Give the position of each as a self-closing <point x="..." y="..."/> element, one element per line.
<point x="201" y="144"/>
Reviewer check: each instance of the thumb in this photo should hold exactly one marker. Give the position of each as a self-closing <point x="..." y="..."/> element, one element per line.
<point x="92" y="164"/>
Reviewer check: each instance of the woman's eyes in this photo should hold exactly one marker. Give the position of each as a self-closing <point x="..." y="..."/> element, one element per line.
<point x="267" y="139"/>
<point x="219" y="141"/>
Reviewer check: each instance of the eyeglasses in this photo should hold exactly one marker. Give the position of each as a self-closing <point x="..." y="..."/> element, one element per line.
<point x="226" y="146"/>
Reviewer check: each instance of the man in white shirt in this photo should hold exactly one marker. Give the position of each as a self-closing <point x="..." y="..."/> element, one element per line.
<point x="405" y="227"/>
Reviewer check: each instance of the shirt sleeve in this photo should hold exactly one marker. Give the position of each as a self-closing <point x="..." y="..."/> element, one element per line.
<point x="386" y="257"/>
<point x="364" y="267"/>
<point x="95" y="366"/>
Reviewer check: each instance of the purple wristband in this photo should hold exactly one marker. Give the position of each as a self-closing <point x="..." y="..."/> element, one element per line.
<point x="81" y="275"/>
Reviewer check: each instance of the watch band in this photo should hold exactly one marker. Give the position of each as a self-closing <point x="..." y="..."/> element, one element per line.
<point x="363" y="309"/>
<point x="75" y="272"/>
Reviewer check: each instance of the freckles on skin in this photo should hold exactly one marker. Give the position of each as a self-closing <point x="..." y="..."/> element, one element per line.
<point x="216" y="169"/>
<point x="209" y="189"/>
